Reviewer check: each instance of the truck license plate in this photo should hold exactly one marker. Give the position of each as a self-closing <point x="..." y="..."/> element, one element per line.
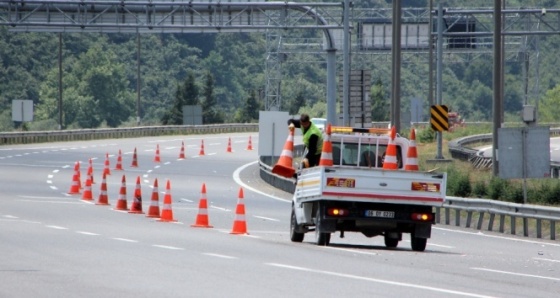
<point x="377" y="213"/>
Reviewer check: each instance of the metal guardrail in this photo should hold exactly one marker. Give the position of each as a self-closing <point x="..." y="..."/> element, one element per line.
<point x="7" y="138"/>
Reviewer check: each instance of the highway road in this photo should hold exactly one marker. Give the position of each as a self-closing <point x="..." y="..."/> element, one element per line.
<point x="56" y="245"/>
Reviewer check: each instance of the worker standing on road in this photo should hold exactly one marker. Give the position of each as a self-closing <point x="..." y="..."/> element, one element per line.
<point x="312" y="139"/>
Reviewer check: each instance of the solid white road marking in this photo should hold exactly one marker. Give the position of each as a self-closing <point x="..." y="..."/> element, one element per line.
<point x="548" y="260"/>
<point x="219" y="256"/>
<point x="168" y="247"/>
<point x="125" y="240"/>
<point x="238" y="181"/>
<point x="516" y="274"/>
<point x="496" y="237"/>
<point x="376" y="280"/>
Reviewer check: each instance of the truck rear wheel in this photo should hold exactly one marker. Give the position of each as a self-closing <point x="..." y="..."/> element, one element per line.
<point x="295" y="236"/>
<point x="418" y="244"/>
<point x="322" y="239"/>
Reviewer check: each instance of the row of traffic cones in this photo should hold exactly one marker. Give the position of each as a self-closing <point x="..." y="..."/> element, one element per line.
<point x="285" y="168"/>
<point x="166" y="214"/>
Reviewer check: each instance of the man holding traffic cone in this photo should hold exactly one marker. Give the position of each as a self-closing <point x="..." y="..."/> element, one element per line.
<point x="312" y="139"/>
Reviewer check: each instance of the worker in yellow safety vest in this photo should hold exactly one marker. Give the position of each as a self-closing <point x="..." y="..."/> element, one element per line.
<point x="312" y="139"/>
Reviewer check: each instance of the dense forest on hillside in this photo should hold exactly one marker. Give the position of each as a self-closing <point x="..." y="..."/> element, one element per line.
<point x="226" y="74"/>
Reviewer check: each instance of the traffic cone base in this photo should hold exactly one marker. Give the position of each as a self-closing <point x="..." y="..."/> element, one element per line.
<point x="284" y="165"/>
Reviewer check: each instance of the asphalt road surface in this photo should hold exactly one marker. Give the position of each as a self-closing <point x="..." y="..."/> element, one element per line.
<point x="53" y="244"/>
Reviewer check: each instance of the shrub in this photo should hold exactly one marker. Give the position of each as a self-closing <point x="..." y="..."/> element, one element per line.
<point x="479" y="189"/>
<point x="426" y="135"/>
<point x="496" y="188"/>
<point x="458" y="184"/>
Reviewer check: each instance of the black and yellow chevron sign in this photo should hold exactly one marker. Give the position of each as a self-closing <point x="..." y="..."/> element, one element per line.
<point x="439" y="119"/>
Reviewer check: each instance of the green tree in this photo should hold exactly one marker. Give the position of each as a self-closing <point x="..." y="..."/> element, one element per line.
<point x="549" y="107"/>
<point x="380" y="105"/>
<point x="211" y="112"/>
<point x="250" y="110"/>
<point x="186" y="94"/>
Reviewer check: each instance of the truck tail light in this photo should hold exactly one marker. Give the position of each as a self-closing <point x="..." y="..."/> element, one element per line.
<point x="338" y="212"/>
<point x="422" y="216"/>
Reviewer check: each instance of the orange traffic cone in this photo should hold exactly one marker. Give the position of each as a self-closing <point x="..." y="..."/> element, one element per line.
<point x="239" y="224"/>
<point x="201" y="148"/>
<point x="121" y="202"/>
<point x="326" y="153"/>
<point x="284" y="165"/>
<point x="134" y="160"/>
<point x="106" y="169"/>
<point x="390" y="161"/>
<point x="229" y="145"/>
<point x="412" y="154"/>
<point x="153" y="211"/>
<point x="250" y="144"/>
<point x="167" y="211"/>
<point x="136" y="206"/>
<point x="202" y="216"/>
<point x="103" y="199"/>
<point x="182" y="153"/>
<point x="156" y="158"/>
<point x="90" y="171"/>
<point x="87" y="195"/>
<point x="119" y="167"/>
<point x="75" y="187"/>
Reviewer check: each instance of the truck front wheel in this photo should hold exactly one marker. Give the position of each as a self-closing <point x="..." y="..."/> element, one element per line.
<point x="418" y="244"/>
<point x="295" y="236"/>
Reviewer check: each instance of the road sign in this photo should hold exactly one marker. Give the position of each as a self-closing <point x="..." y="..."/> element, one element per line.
<point x="22" y="110"/>
<point x="439" y="118"/>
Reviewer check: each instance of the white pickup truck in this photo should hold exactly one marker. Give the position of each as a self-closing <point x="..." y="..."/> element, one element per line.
<point x="357" y="195"/>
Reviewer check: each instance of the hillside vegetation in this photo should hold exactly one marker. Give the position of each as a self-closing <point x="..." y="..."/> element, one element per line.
<point x="226" y="74"/>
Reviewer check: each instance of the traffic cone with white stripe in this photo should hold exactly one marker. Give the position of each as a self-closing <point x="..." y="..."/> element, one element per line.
<point x="167" y="210"/>
<point x="87" y="195"/>
<point x="412" y="154"/>
<point x="103" y="199"/>
<point x="90" y="171"/>
<point x="121" y="202"/>
<point x="134" y="160"/>
<point x="153" y="211"/>
<point x="250" y="144"/>
<point x="182" y="152"/>
<point x="284" y="165"/>
<point x="119" y="167"/>
<point x="239" y="223"/>
<point x="201" y="152"/>
<point x="229" y="145"/>
<point x="136" y="206"/>
<point x="202" y="216"/>
<point x="390" y="161"/>
<point x="75" y="187"/>
<point x="106" y="169"/>
<point x="157" y="158"/>
<point x="326" y="153"/>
